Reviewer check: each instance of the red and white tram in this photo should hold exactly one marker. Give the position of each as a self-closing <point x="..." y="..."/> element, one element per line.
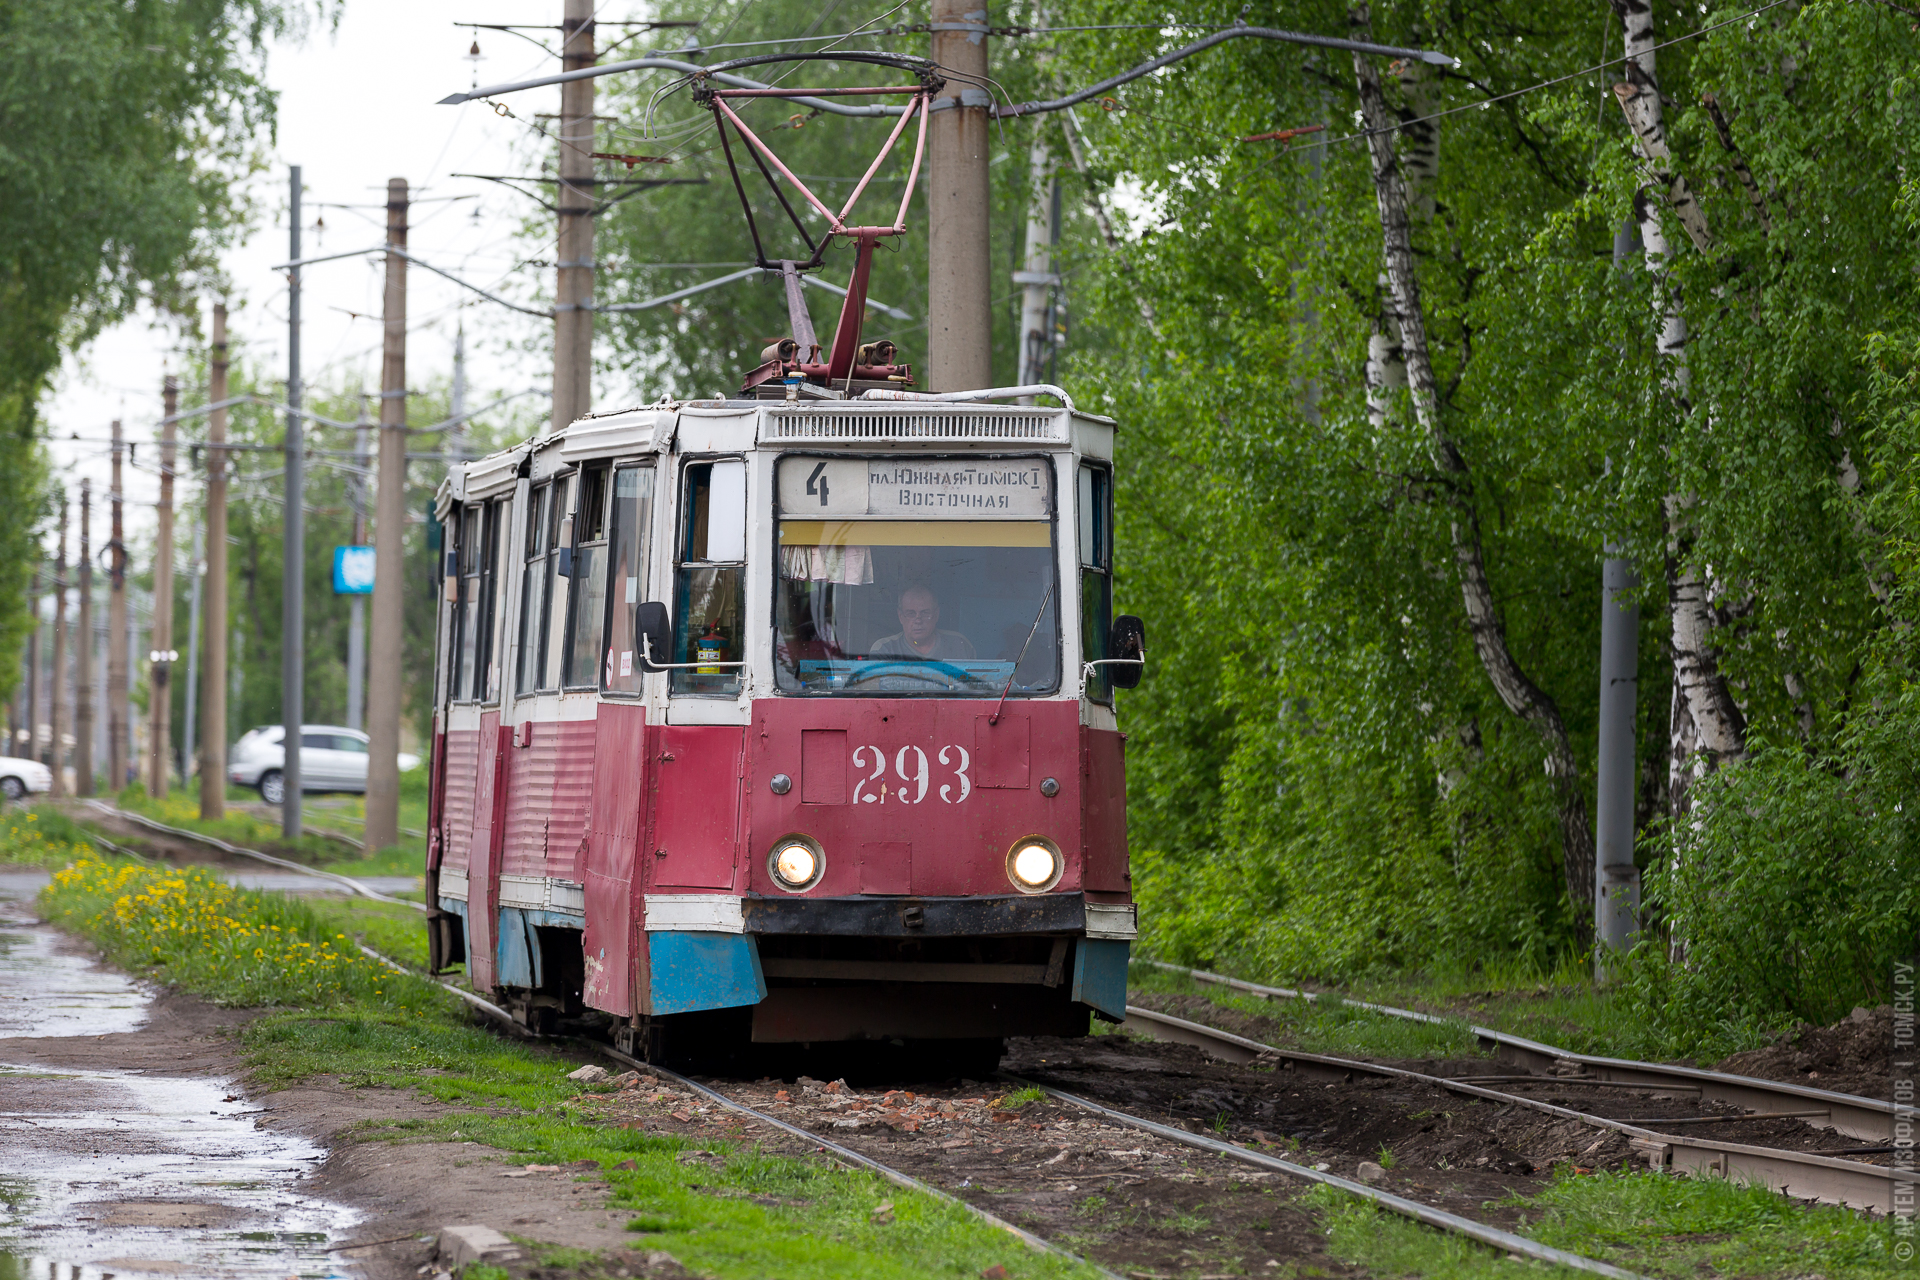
<point x="787" y="721"/>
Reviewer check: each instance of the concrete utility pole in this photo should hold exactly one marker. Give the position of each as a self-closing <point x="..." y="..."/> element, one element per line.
<point x="959" y="283"/>
<point x="389" y="541"/>
<point x="83" y="675"/>
<point x="55" y="687"/>
<point x="357" y="603"/>
<point x="117" y="703"/>
<point x="1616" y="899"/>
<point x="293" y="578"/>
<point x="160" y="687"/>
<point x="573" y="286"/>
<point x="1037" y="280"/>
<point x="33" y="675"/>
<point x="457" y="406"/>
<point x="213" y="689"/>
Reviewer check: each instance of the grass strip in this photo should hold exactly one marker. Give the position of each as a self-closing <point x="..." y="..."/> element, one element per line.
<point x="736" y="1212"/>
<point x="1326" y="1025"/>
<point x="1653" y="1223"/>
<point x="42" y="836"/>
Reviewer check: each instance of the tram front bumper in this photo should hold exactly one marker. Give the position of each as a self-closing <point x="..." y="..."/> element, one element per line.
<point x="887" y="967"/>
<point x="1000" y="915"/>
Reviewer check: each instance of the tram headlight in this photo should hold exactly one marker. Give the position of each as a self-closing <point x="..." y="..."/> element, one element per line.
<point x="1034" y="865"/>
<point x="796" y="863"/>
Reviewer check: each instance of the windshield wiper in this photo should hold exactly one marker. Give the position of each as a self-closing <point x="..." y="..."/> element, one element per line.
<point x="995" y="717"/>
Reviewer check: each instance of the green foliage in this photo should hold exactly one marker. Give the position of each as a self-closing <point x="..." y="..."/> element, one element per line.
<point x="1794" y="896"/>
<point x="1321" y="781"/>
<point x="41" y="837"/>
<point x="127" y="128"/>
<point x="1797" y="887"/>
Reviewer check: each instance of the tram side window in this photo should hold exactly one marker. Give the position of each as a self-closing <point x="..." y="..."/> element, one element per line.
<point x="708" y="588"/>
<point x="1095" y="507"/>
<point x="589" y="603"/>
<point x="553" y="639"/>
<point x="630" y="523"/>
<point x="532" y="587"/>
<point x="468" y="611"/>
<point x="486" y="663"/>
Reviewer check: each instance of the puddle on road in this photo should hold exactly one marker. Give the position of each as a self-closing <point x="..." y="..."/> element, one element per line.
<point x="121" y="1173"/>
<point x="48" y="987"/>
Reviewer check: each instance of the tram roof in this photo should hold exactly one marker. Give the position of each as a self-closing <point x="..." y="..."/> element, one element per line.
<point x="784" y="424"/>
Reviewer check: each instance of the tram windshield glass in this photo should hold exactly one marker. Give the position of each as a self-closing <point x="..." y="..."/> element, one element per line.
<point x="928" y="576"/>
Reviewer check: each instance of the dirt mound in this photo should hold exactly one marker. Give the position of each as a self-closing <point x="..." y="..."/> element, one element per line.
<point x="1854" y="1055"/>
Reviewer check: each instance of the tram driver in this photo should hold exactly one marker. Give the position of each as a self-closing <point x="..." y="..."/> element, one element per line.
<point x="920" y="635"/>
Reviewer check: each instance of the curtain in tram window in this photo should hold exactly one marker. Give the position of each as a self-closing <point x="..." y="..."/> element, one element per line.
<point x="848" y="566"/>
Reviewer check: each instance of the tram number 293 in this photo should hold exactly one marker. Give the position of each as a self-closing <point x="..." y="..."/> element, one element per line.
<point x="911" y="766"/>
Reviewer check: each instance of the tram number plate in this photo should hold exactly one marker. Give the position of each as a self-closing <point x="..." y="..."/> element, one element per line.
<point x="914" y="772"/>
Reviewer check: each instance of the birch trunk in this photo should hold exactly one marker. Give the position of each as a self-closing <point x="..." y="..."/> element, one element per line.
<point x="1705" y="725"/>
<point x="1521" y="696"/>
<point x="1418" y="144"/>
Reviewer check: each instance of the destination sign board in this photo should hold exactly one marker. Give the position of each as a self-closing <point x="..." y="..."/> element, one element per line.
<point x="915" y="488"/>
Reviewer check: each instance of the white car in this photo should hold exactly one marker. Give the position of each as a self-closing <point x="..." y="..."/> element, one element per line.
<point x="331" y="759"/>
<point x="19" y="778"/>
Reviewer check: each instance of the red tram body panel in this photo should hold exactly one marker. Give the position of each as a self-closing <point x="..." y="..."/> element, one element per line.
<point x="791" y="722"/>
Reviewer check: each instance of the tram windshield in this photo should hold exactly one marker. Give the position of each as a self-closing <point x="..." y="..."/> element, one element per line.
<point x="928" y="576"/>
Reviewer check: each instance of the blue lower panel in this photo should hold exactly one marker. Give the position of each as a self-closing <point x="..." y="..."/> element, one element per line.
<point x="516" y="954"/>
<point x="689" y="971"/>
<point x="516" y="959"/>
<point x="1100" y="975"/>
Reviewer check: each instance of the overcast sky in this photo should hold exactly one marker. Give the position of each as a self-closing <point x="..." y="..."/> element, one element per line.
<point x="357" y="107"/>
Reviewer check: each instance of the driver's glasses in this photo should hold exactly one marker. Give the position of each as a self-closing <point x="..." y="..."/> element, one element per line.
<point x="919" y="615"/>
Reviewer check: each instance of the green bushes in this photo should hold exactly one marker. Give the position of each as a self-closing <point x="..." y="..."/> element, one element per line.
<point x="1790" y="897"/>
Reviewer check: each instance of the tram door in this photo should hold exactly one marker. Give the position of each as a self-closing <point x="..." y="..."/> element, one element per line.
<point x="612" y="573"/>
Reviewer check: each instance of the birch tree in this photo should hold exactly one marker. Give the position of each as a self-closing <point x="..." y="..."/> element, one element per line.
<point x="1456" y="488"/>
<point x="1706" y="727"/>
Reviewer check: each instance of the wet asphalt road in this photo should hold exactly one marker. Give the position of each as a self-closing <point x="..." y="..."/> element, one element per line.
<point x="110" y="1171"/>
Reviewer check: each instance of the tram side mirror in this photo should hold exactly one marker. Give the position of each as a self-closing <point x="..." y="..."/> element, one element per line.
<point x="1127" y="638"/>
<point x="655" y="627"/>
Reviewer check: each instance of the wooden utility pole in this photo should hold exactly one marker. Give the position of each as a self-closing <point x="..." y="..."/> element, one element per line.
<point x="83" y="665"/>
<point x="33" y="675"/>
<point x="57" y="709"/>
<point x="213" y="684"/>
<point x="384" y="689"/>
<point x="117" y="741"/>
<point x="573" y="285"/>
<point x="959" y="276"/>
<point x="160" y="686"/>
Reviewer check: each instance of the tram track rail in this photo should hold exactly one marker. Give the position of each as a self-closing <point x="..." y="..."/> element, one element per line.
<point x="846" y="1155"/>
<point x="1425" y="1214"/>
<point x="506" y="1020"/>
<point x="1428" y="1215"/>
<point x="240" y="851"/>
<point x="1486" y="1234"/>
<point x="1807" y="1175"/>
<point x="1870" y="1119"/>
